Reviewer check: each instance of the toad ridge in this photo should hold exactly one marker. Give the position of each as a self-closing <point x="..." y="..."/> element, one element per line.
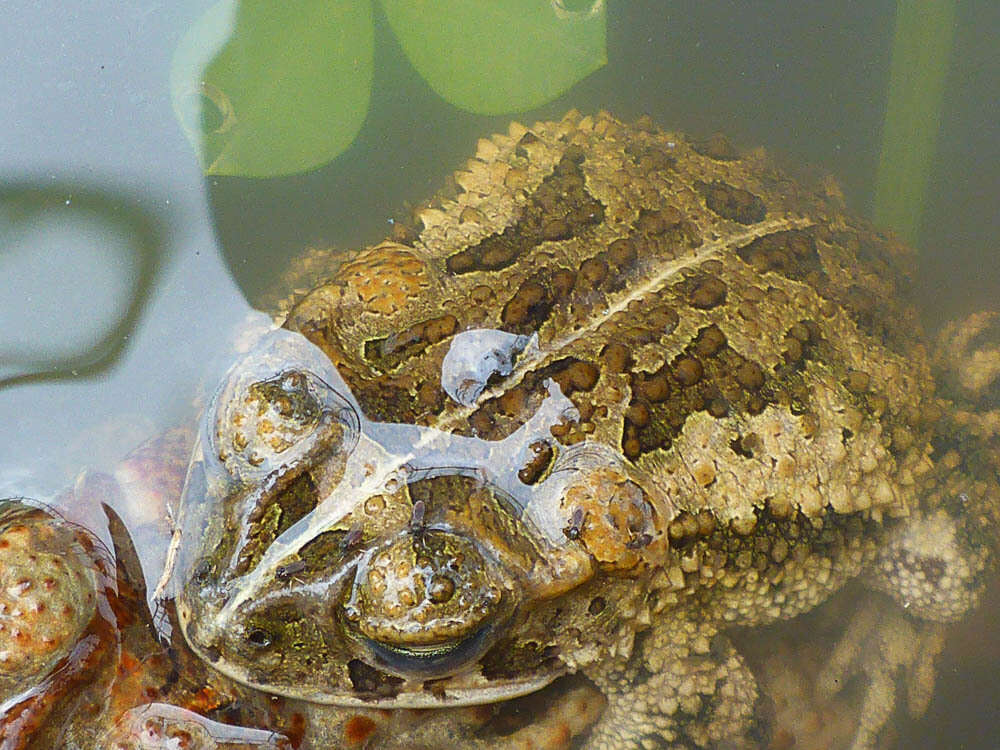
<point x="750" y="421"/>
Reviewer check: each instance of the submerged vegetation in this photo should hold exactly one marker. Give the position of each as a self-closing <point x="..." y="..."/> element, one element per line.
<point x="921" y="51"/>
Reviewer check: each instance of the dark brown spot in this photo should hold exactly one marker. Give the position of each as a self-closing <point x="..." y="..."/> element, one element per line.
<point x="750" y="375"/>
<point x="793" y="350"/>
<point x="857" y="381"/>
<point x="653" y="159"/>
<point x="733" y="203"/>
<point x="481" y="294"/>
<point x="708" y="292"/>
<point x="482" y="424"/>
<point x="573" y="154"/>
<point x="661" y="321"/>
<point x="563" y="281"/>
<point x="801" y="332"/>
<point x="621" y="253"/>
<point x="541" y="459"/>
<point x="498" y="251"/>
<point x="683" y="529"/>
<point x="637" y="413"/>
<point x="513" y="401"/>
<point x="592" y="272"/>
<point x="657" y="222"/>
<point x="430" y="397"/>
<point x="717" y="147"/>
<point x="578" y="376"/>
<point x="556" y="229"/>
<point x="706" y="522"/>
<point x="617" y="357"/>
<point x="688" y="371"/>
<point x="462" y="262"/>
<point x="528" y="308"/>
<point x="710" y="340"/>
<point x="791" y="253"/>
<point x="597" y="605"/>
<point x="631" y="446"/>
<point x="652" y="388"/>
<point x="718" y="407"/>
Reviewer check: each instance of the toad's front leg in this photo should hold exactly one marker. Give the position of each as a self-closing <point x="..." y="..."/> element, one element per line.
<point x="684" y="685"/>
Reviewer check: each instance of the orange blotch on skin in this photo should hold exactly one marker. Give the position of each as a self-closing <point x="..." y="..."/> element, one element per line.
<point x="358" y="729"/>
<point x="385" y="277"/>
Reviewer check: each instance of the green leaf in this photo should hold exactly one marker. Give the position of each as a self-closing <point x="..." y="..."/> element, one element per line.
<point x="500" y="56"/>
<point x="264" y="88"/>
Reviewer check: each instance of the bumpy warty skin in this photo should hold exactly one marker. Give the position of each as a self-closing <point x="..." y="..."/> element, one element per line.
<point x="746" y="420"/>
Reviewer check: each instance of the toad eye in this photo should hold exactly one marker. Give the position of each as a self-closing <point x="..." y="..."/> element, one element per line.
<point x="432" y="661"/>
<point x="263" y="420"/>
<point x="259" y="638"/>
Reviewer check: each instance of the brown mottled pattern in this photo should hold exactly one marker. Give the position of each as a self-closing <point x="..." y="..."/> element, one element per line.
<point x="755" y="424"/>
<point x="559" y="209"/>
<point x="690" y="239"/>
<point x="269" y="519"/>
<point x="392" y="351"/>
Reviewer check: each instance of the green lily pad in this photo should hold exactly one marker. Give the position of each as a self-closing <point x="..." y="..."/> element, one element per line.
<point x="500" y="56"/>
<point x="265" y="89"/>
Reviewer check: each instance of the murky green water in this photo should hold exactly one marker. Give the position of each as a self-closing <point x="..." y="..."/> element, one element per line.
<point x="124" y="272"/>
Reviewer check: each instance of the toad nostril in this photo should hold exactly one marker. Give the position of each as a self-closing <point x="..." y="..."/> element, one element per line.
<point x="202" y="572"/>
<point x="441" y="589"/>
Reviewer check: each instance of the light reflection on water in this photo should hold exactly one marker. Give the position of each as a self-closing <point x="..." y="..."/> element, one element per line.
<point x="87" y="107"/>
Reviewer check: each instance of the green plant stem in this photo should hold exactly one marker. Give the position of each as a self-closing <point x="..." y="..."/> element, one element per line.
<point x="920" y="54"/>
